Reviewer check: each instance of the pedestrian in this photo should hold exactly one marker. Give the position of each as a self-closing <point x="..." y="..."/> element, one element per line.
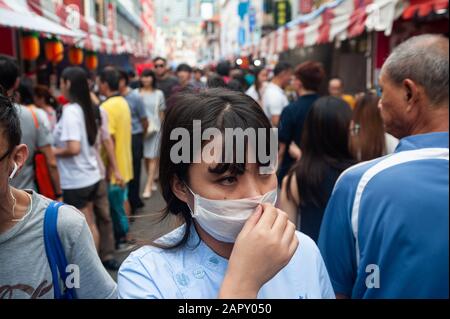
<point x="184" y="75"/>
<point x="385" y="229"/>
<point x="75" y="135"/>
<point x="199" y="81"/>
<point x="25" y="272"/>
<point x="166" y="82"/>
<point x="325" y="155"/>
<point x="139" y="123"/>
<point x="35" y="133"/>
<point x="256" y="91"/>
<point x="44" y="100"/>
<point x="234" y="242"/>
<point x="155" y="106"/>
<point x="274" y="100"/>
<point x="308" y="78"/>
<point x="120" y="128"/>
<point x="223" y="69"/>
<point x="336" y="89"/>
<point x="368" y="139"/>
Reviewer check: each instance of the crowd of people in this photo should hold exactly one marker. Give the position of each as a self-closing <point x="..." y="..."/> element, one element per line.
<point x="361" y="181"/>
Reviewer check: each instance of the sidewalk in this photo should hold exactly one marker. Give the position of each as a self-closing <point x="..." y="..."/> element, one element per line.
<point x="149" y="225"/>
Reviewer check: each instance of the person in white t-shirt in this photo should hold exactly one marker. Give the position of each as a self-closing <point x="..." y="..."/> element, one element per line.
<point x="75" y="135"/>
<point x="256" y="91"/>
<point x="274" y="99"/>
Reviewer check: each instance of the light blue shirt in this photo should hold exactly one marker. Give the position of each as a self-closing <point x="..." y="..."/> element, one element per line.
<point x="385" y="229"/>
<point x="196" y="272"/>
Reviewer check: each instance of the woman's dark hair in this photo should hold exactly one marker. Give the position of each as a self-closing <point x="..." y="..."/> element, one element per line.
<point x="324" y="145"/>
<point x="257" y="71"/>
<point x="367" y="140"/>
<point x="25" y="92"/>
<point x="9" y="122"/>
<point x="79" y="93"/>
<point x="149" y="73"/>
<point x="42" y="91"/>
<point x="215" y="108"/>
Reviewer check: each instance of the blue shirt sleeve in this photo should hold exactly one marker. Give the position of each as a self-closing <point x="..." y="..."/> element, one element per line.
<point x="286" y="126"/>
<point x="336" y="240"/>
<point x="135" y="282"/>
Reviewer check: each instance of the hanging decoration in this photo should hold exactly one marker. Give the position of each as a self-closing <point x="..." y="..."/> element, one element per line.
<point x="54" y="50"/>
<point x="91" y="61"/>
<point x="30" y="46"/>
<point x="76" y="56"/>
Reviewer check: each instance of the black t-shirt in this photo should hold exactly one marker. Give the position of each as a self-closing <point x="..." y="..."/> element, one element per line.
<point x="166" y="85"/>
<point x="290" y="128"/>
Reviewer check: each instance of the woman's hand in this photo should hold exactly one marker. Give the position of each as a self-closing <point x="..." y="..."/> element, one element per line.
<point x="265" y="245"/>
<point x="295" y="152"/>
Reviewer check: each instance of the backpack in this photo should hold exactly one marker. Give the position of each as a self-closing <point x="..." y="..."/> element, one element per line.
<point x="55" y="253"/>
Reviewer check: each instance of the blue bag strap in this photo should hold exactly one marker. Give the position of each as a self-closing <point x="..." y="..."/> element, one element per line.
<point x="55" y="252"/>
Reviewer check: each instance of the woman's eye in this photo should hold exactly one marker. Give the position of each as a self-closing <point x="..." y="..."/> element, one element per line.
<point x="229" y="180"/>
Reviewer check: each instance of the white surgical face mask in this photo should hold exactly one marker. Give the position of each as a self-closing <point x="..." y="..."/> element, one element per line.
<point x="224" y="219"/>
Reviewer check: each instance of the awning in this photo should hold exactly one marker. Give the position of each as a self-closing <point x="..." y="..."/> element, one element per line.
<point x="98" y="38"/>
<point x="423" y="8"/>
<point x="15" y="14"/>
<point x="336" y="20"/>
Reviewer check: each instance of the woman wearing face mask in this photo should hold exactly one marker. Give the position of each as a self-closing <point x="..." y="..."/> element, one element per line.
<point x="25" y="272"/>
<point x="233" y="240"/>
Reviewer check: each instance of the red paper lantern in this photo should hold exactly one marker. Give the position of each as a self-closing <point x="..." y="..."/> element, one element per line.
<point x="54" y="51"/>
<point x="76" y="56"/>
<point x="91" y="61"/>
<point x="30" y="46"/>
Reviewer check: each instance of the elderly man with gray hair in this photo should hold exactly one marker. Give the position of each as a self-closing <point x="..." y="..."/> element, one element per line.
<point x="385" y="229"/>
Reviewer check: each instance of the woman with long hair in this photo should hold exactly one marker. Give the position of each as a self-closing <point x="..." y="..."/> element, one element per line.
<point x="75" y="136"/>
<point x="155" y="105"/>
<point x="234" y="242"/>
<point x="368" y="139"/>
<point x="256" y="91"/>
<point x="325" y="155"/>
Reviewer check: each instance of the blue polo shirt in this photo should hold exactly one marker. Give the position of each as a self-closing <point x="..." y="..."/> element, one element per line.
<point x="385" y="229"/>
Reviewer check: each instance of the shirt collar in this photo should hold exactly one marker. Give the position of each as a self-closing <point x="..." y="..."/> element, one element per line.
<point x="428" y="140"/>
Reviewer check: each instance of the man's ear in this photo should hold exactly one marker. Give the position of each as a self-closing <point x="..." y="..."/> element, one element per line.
<point x="20" y="155"/>
<point x="180" y="190"/>
<point x="412" y="93"/>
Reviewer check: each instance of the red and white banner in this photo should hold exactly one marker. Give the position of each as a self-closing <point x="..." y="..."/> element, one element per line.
<point x="97" y="37"/>
<point x="338" y="20"/>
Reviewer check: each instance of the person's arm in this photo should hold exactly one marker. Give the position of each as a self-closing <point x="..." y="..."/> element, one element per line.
<point x="281" y="152"/>
<point x="295" y="152"/>
<point x="290" y="205"/>
<point x="53" y="169"/>
<point x="109" y="146"/>
<point x="265" y="245"/>
<point x="275" y="120"/>
<point x="72" y="148"/>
